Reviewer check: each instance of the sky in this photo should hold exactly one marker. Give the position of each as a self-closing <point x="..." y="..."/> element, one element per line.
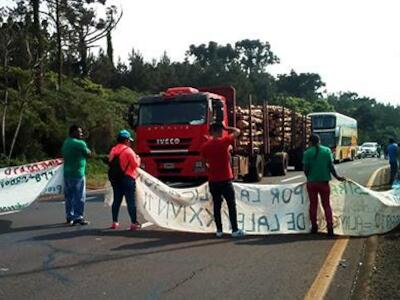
<point x="353" y="45"/>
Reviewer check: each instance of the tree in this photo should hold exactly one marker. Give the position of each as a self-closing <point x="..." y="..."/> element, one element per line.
<point x="87" y="29"/>
<point x="37" y="46"/>
<point x="254" y="56"/>
<point x="303" y="85"/>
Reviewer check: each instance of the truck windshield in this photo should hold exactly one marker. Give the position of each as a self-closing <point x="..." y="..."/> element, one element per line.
<point x="323" y="122"/>
<point x="328" y="139"/>
<point x="173" y="112"/>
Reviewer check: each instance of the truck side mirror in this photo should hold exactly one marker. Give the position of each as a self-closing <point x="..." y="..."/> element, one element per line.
<point x="133" y="115"/>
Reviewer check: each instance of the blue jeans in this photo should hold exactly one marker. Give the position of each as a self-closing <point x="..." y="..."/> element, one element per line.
<point x="126" y="187"/>
<point x="75" y="197"/>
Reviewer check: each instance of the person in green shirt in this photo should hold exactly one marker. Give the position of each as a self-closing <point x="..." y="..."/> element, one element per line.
<point x="318" y="167"/>
<point x="75" y="152"/>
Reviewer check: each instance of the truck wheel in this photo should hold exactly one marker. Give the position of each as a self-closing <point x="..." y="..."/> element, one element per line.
<point x="279" y="165"/>
<point x="256" y="170"/>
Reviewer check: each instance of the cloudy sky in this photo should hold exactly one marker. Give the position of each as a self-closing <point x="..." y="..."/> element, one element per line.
<point x="353" y="44"/>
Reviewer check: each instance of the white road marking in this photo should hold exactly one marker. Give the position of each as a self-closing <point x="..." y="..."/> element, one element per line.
<point x="147" y="224"/>
<point x="292" y="178"/>
<point x="357" y="163"/>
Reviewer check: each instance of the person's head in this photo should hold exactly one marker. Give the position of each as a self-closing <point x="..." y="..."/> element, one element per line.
<point x="314" y="139"/>
<point x="124" y="137"/>
<point x="75" y="131"/>
<point x="216" y="129"/>
<point x="391" y="140"/>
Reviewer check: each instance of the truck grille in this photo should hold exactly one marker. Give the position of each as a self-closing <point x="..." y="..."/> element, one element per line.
<point x="169" y="145"/>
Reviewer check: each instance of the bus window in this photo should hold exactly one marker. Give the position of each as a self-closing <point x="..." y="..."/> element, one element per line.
<point x="323" y="122"/>
<point x="328" y="139"/>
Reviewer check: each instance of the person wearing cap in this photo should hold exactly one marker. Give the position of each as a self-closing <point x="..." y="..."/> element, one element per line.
<point x="75" y="152"/>
<point x="216" y="154"/>
<point x="318" y="167"/>
<point x="129" y="162"/>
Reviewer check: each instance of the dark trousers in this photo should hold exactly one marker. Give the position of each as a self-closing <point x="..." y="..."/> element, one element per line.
<point x="223" y="189"/>
<point x="393" y="171"/>
<point x="320" y="188"/>
<point x="126" y="187"/>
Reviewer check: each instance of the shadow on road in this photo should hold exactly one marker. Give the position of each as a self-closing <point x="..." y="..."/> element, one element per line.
<point x="148" y="239"/>
<point x="5" y="227"/>
<point x="148" y="242"/>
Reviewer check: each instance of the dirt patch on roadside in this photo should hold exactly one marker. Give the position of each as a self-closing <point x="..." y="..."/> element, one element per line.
<point x="384" y="282"/>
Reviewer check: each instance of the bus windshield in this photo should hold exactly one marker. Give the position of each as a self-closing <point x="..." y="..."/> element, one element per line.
<point x="173" y="112"/>
<point x="328" y="139"/>
<point x="323" y="122"/>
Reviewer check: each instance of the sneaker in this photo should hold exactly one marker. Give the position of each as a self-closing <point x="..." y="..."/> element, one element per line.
<point x="80" y="222"/>
<point x="238" y="233"/>
<point x="114" y="225"/>
<point x="68" y="222"/>
<point x="135" y="226"/>
<point x="219" y="234"/>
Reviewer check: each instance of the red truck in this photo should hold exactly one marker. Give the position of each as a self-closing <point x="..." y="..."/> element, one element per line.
<point x="172" y="127"/>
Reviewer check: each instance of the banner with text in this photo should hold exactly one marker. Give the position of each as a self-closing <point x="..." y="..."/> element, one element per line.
<point x="268" y="209"/>
<point x="21" y="185"/>
<point x="261" y="209"/>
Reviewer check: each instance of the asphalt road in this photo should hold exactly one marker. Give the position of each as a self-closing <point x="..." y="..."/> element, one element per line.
<point x="40" y="258"/>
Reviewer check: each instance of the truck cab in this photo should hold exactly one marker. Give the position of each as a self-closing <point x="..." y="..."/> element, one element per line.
<point x="171" y="129"/>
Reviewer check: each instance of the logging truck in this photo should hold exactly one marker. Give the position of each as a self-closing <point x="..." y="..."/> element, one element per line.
<point x="172" y="127"/>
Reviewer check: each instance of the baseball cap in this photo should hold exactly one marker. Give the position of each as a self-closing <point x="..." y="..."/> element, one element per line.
<point x="125" y="134"/>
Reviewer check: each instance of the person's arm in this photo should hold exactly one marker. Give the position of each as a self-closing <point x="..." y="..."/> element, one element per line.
<point x="306" y="169"/>
<point x="333" y="171"/>
<point x="86" y="150"/>
<point x="233" y="130"/>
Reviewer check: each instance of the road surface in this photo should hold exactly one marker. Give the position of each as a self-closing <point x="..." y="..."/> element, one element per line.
<point x="41" y="258"/>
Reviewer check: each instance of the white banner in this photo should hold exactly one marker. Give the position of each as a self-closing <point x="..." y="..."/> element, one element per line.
<point x="21" y="185"/>
<point x="269" y="209"/>
<point x="261" y="209"/>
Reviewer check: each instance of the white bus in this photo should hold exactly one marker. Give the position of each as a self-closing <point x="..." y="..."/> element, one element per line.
<point x="338" y="132"/>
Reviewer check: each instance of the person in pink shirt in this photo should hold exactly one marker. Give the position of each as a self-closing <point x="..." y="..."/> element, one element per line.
<point x="126" y="186"/>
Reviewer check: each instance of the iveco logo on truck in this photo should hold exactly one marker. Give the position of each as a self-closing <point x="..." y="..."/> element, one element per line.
<point x="168" y="141"/>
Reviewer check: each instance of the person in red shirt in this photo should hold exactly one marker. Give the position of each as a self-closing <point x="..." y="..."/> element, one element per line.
<point x="216" y="154"/>
<point x="129" y="162"/>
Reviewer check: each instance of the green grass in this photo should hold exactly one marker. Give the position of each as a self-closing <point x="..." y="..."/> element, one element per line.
<point x="96" y="172"/>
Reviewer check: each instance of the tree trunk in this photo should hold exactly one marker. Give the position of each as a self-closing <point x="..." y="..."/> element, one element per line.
<point x="38" y="64"/>
<point x="110" y="50"/>
<point x="5" y="101"/>
<point x="21" y="113"/>
<point x="83" y="55"/>
<point x="59" y="50"/>
<point x="3" y="122"/>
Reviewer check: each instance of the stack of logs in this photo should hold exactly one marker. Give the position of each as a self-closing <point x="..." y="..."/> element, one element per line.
<point x="285" y="128"/>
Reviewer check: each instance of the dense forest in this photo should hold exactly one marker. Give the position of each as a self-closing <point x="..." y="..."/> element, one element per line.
<point x="50" y="78"/>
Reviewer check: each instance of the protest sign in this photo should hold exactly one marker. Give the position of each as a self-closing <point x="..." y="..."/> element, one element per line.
<point x="269" y="209"/>
<point x="261" y="209"/>
<point x="21" y="185"/>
